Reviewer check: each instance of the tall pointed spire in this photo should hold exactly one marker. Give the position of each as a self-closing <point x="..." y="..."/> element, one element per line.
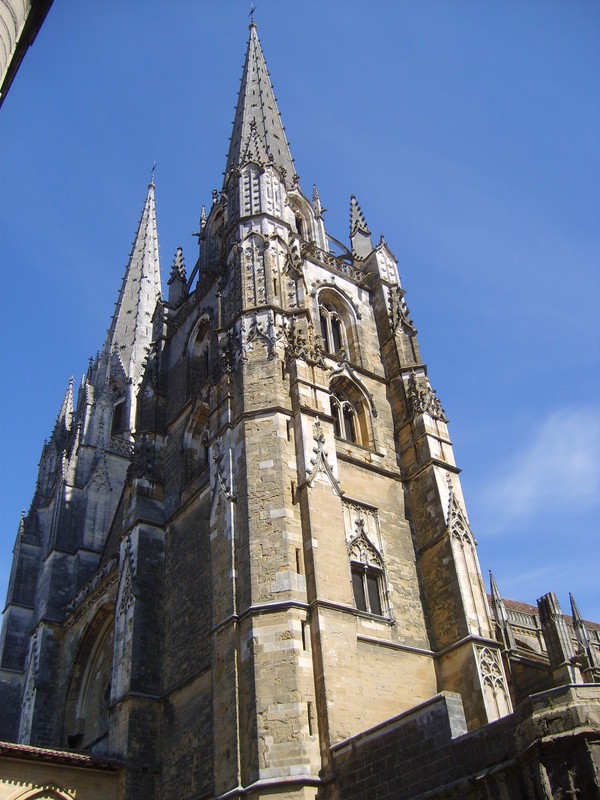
<point x="257" y="128"/>
<point x="130" y="332"/>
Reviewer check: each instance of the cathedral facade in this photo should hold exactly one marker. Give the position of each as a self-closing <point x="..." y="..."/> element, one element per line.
<point x="248" y="558"/>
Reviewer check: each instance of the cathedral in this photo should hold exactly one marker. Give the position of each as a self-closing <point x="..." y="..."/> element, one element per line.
<point x="247" y="569"/>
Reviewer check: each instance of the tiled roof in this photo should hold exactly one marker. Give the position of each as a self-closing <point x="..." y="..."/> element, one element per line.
<point x="26" y="751"/>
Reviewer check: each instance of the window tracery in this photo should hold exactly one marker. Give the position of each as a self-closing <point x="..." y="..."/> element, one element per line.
<point x="366" y="562"/>
<point x="366" y="568"/>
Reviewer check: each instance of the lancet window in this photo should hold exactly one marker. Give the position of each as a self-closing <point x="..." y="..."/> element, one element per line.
<point x="332" y="329"/>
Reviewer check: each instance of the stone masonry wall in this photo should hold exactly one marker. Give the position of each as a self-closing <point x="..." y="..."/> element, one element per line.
<point x="549" y="747"/>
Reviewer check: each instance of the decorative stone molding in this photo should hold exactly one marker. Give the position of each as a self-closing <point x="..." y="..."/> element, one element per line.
<point x="320" y="462"/>
<point x="362" y="550"/>
<point x="91" y="585"/>
<point x="344" y="369"/>
<point x="490" y="669"/>
<point x="317" y="286"/>
<point x="457" y="525"/>
<point x="265" y="331"/>
<point x="337" y="265"/>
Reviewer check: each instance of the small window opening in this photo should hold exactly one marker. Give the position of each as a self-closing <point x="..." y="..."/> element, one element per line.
<point x="366" y="584"/>
<point x="118" y="417"/>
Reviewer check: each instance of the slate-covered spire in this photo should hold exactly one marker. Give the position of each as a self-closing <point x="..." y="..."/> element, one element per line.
<point x="257" y="128"/>
<point x="360" y="235"/>
<point x="130" y="332"/>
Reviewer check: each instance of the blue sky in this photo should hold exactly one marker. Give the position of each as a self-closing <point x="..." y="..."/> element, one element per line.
<point x="469" y="133"/>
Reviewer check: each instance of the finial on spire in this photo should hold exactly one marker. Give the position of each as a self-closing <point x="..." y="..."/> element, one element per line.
<point x="251" y="15"/>
<point x="152" y="175"/>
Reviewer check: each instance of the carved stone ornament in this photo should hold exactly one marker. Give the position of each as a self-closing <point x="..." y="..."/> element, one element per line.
<point x="127" y="593"/>
<point x="458" y="526"/>
<point x="301" y="345"/>
<point x="344" y="368"/>
<point x="143" y="462"/>
<point x="363" y="551"/>
<point x="320" y="462"/>
<point x="89" y="587"/>
<point x="490" y="669"/>
<point x="398" y="311"/>
<point x="223" y="480"/>
<point x="422" y="399"/>
<point x="265" y="332"/>
<point x="293" y="260"/>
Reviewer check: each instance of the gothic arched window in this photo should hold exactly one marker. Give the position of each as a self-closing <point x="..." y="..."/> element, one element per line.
<point x="366" y="584"/>
<point x="332" y="329"/>
<point x="88" y="697"/>
<point x="368" y="581"/>
<point x="350" y="413"/>
<point x="345" y="417"/>
<point x="337" y="324"/>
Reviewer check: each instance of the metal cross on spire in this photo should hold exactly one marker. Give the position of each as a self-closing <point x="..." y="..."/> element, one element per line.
<point x="251" y="14"/>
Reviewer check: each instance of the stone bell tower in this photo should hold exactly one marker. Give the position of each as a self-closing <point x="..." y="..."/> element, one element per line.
<point x="345" y="582"/>
<point x="285" y="557"/>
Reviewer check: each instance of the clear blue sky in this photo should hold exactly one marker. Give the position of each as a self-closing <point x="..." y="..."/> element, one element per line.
<point x="470" y="134"/>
